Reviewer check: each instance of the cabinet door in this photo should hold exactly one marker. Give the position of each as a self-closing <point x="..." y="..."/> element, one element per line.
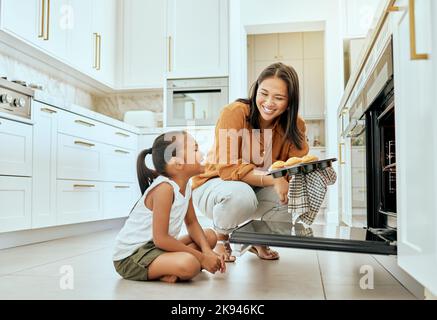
<point x="198" y="43"/>
<point x="144" y="49"/>
<point x="78" y="201"/>
<point x="314" y="89"/>
<point x="44" y="165"/>
<point x="78" y="159"/>
<point x="359" y="16"/>
<point x="22" y="18"/>
<point x="416" y="124"/>
<point x="118" y="200"/>
<point x="58" y="21"/>
<point x="81" y="42"/>
<point x="16" y="148"/>
<point x="15" y="203"/>
<point x="104" y="24"/>
<point x="117" y="164"/>
<point x="266" y="47"/>
<point x="290" y="46"/>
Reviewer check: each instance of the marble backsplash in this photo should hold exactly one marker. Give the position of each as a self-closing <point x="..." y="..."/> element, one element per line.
<point x="116" y="105"/>
<point x="113" y="105"/>
<point x="52" y="85"/>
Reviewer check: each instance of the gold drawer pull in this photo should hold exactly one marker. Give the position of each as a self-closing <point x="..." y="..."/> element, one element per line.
<point x="122" y="151"/>
<point x="122" y="187"/>
<point x="47" y="110"/>
<point x="86" y="144"/>
<point x="84" y="186"/>
<point x="84" y="123"/>
<point x="413" y="48"/>
<point x="340" y="152"/>
<point x="122" y="134"/>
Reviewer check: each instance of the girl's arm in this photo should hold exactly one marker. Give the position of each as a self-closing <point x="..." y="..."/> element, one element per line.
<point x="195" y="230"/>
<point x="162" y="198"/>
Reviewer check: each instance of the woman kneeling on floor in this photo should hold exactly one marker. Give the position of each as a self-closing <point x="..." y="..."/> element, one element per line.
<point x="148" y="247"/>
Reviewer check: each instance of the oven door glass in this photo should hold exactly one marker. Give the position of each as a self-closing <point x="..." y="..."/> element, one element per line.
<point x="196" y="107"/>
<point x="316" y="237"/>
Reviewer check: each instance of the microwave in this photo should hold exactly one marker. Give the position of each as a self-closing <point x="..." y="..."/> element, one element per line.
<point x="196" y="102"/>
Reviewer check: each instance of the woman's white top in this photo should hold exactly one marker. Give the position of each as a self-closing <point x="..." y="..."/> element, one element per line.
<point x="137" y="230"/>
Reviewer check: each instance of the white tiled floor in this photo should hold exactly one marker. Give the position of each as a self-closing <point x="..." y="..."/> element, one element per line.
<point x="33" y="272"/>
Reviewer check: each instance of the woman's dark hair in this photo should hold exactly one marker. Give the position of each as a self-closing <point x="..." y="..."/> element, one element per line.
<point x="288" y="119"/>
<point x="163" y="147"/>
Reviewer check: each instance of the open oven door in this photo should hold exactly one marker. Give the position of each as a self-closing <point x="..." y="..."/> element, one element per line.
<point x="316" y="237"/>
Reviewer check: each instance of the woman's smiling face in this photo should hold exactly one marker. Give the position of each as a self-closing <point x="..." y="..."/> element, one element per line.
<point x="271" y="100"/>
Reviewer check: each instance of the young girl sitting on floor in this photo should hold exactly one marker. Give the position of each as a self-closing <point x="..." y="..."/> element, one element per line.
<point x="148" y="247"/>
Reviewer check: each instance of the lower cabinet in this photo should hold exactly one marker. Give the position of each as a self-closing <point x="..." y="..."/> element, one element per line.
<point x="119" y="199"/>
<point x="79" y="201"/>
<point x="15" y="203"/>
<point x="15" y="148"/>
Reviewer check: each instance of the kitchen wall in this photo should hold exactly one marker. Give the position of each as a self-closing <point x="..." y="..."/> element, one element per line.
<point x="54" y="85"/>
<point x="255" y="16"/>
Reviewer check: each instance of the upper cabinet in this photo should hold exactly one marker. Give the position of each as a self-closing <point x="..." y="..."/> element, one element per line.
<point x="104" y="40"/>
<point x="144" y="43"/>
<point x="197" y="43"/>
<point x="79" y="33"/>
<point x="42" y="23"/>
<point x="359" y="15"/>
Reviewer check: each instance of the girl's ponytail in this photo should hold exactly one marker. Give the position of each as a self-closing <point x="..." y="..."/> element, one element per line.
<point x="144" y="174"/>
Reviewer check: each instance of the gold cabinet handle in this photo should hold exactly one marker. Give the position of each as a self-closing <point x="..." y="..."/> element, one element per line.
<point x="86" y="144"/>
<point x="84" y="186"/>
<point x="84" y="123"/>
<point x="99" y="56"/>
<point x="169" y="54"/>
<point x="47" y="31"/>
<point x="47" y="110"/>
<point x="43" y="16"/>
<point x="340" y="152"/>
<point x="122" y="187"/>
<point x="96" y="45"/>
<point x="121" y="151"/>
<point x="413" y="49"/>
<point x="121" y="134"/>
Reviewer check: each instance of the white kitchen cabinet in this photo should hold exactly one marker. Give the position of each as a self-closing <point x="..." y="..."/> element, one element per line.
<point x="144" y="44"/>
<point x="22" y="18"/>
<point x="104" y="35"/>
<point x="198" y="38"/>
<point x="78" y="201"/>
<point x="79" y="159"/>
<point x="359" y="16"/>
<point x="56" y="25"/>
<point x="15" y="203"/>
<point x="118" y="199"/>
<point x="416" y="124"/>
<point x="117" y="164"/>
<point x="45" y="132"/>
<point x="16" y="148"/>
<point x="82" y="45"/>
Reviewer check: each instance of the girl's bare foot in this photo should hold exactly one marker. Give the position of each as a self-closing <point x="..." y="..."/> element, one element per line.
<point x="224" y="247"/>
<point x="169" y="279"/>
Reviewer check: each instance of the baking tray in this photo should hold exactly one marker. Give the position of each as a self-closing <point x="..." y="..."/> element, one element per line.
<point x="302" y="168"/>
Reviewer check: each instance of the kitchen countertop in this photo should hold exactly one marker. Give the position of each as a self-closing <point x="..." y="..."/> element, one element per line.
<point x="61" y="104"/>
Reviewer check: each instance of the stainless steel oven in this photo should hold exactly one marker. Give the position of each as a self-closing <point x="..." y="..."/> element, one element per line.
<point x="196" y="101"/>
